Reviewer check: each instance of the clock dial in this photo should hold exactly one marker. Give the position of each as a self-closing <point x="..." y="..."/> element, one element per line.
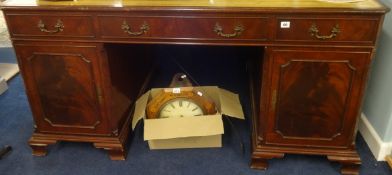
<point x="180" y="108"/>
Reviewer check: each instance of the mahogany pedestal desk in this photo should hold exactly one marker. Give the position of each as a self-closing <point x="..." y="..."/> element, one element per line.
<point x="306" y="90"/>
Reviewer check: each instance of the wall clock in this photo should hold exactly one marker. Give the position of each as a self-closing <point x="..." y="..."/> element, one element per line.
<point x="179" y="102"/>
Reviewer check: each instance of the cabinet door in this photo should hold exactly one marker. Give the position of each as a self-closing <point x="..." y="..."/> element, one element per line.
<point x="63" y="85"/>
<point x="315" y="96"/>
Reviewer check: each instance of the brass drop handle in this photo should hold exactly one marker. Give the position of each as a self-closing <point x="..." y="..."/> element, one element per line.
<point x="314" y="32"/>
<point x="59" y="27"/>
<point x="127" y="29"/>
<point x="238" y="29"/>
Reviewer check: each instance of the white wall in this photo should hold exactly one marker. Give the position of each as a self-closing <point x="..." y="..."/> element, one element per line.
<point x="376" y="123"/>
<point x="378" y="100"/>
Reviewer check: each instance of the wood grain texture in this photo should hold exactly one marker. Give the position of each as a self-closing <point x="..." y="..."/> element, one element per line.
<point x="306" y="91"/>
<point x="74" y="26"/>
<point x="195" y="27"/>
<point x="350" y="30"/>
<point x="313" y="90"/>
<point x="126" y="75"/>
<point x="69" y="88"/>
<point x="71" y="71"/>
<point x="312" y="99"/>
<point x="180" y="27"/>
<point x="368" y="4"/>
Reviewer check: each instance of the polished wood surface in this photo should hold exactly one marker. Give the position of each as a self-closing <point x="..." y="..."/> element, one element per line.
<point x="306" y="91"/>
<point x="363" y="5"/>
<point x="311" y="92"/>
<point x="74" y="73"/>
<point x="355" y="29"/>
<point x="77" y="94"/>
<point x="183" y="27"/>
<point x="74" y="26"/>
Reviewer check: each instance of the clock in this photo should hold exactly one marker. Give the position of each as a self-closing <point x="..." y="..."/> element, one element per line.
<point x="180" y="107"/>
<point x="179" y="102"/>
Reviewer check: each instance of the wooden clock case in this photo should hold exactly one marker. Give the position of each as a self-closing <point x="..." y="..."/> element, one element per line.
<point x="155" y="105"/>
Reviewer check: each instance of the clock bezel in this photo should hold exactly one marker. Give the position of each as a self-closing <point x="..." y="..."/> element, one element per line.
<point x="156" y="104"/>
<point x="179" y="98"/>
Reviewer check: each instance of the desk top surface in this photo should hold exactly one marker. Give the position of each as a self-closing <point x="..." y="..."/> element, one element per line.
<point x="356" y="5"/>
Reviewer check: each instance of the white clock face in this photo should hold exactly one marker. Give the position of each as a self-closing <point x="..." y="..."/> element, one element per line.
<point x="180" y="108"/>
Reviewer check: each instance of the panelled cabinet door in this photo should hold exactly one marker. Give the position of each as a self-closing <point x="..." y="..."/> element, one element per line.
<point x="63" y="85"/>
<point x="314" y="96"/>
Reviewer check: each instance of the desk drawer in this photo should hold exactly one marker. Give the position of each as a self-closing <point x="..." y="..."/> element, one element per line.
<point x="327" y="29"/>
<point x="205" y="28"/>
<point x="39" y="25"/>
<point x="230" y="28"/>
<point x="136" y="27"/>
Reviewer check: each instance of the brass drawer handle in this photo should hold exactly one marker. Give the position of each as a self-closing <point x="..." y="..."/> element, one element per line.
<point x="59" y="27"/>
<point x="314" y="32"/>
<point x="127" y="29"/>
<point x="238" y="29"/>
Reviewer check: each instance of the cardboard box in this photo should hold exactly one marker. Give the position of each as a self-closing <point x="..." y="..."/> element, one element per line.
<point x="188" y="132"/>
<point x="8" y="70"/>
<point x="3" y="85"/>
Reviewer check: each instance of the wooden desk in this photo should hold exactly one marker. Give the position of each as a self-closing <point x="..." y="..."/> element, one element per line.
<point x="306" y="90"/>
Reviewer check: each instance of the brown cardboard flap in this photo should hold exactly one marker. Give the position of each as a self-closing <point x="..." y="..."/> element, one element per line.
<point x="226" y="102"/>
<point x="7" y="70"/>
<point x="155" y="91"/>
<point x="214" y="141"/>
<point x="140" y="109"/>
<point x="211" y="92"/>
<point x="230" y="104"/>
<point x="182" y="127"/>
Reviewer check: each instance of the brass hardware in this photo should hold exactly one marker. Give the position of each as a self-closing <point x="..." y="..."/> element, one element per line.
<point x="59" y="27"/>
<point x="273" y="101"/>
<point x="314" y="32"/>
<point x="238" y="29"/>
<point x="127" y="29"/>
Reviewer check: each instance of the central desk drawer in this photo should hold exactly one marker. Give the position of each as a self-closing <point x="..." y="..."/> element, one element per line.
<point x="199" y="28"/>
<point x="327" y="29"/>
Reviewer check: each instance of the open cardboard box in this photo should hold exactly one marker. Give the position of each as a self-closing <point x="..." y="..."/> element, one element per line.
<point x="188" y="132"/>
<point x="3" y="85"/>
